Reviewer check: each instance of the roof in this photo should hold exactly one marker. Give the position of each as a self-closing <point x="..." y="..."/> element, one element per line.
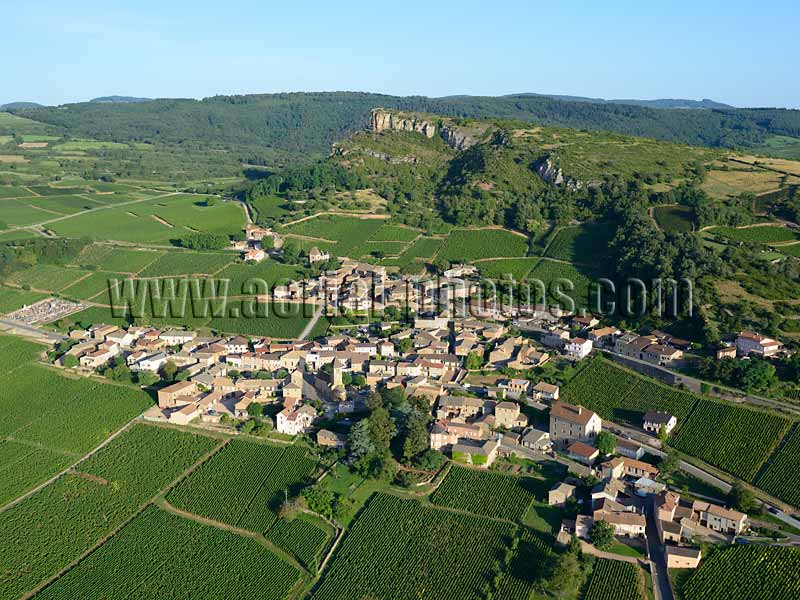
<point x="581" y="449"/>
<point x="534" y="435"/>
<point x="725" y="513"/>
<point x="507" y="406"/>
<point x="684" y="551"/>
<point x="563" y="487"/>
<point x="625" y="518"/>
<point x="657" y="416"/>
<point x="570" y="412"/>
<point x="547" y="388"/>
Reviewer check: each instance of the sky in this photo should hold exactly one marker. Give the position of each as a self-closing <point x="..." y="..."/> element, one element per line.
<point x="743" y="53"/>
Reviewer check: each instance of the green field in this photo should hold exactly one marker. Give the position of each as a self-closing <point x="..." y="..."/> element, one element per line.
<point x="779" y="478"/>
<point x="614" y="580"/>
<point x="47" y="277"/>
<point x="746" y="573"/>
<point x="159" y="220"/>
<point x="763" y="234"/>
<point x="401" y="550"/>
<point x="735" y="439"/>
<point x="587" y="243"/>
<point x="674" y="218"/>
<point x="395" y="233"/>
<point x="252" y="499"/>
<point x="301" y="537"/>
<point x="47" y="531"/>
<point x="187" y="263"/>
<point x="560" y="278"/>
<point x="348" y="234"/>
<point x="115" y="259"/>
<point x="12" y="298"/>
<point x="518" y="268"/>
<point x="485" y="493"/>
<point x="160" y="555"/>
<point x="621" y="396"/>
<point x="471" y="244"/>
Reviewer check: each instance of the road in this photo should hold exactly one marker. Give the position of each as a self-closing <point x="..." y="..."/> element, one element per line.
<point x="658" y="559"/>
<point x="312" y="323"/>
<point x="9" y="326"/>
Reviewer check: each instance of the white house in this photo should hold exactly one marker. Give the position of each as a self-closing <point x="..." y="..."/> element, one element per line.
<point x="748" y="342"/>
<point x="294" y="421"/>
<point x="150" y="363"/>
<point x="177" y="337"/>
<point x="655" y="419"/>
<point x="578" y="348"/>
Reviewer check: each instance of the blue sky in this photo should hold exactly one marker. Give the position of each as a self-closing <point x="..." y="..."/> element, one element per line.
<point x="741" y="52"/>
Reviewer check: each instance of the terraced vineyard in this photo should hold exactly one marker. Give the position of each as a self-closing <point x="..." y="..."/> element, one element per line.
<point x="747" y="573"/>
<point x="485" y="493"/>
<point x="780" y="477"/>
<point x="619" y="395"/>
<point x="614" y="580"/>
<point x="47" y="531"/>
<point x="735" y="439"/>
<point x="160" y="555"/>
<point x="304" y="540"/>
<point x="398" y="549"/>
<point x="252" y="499"/>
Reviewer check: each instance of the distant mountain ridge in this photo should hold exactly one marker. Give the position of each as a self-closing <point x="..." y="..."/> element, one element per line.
<point x="120" y="99"/>
<point x="656" y="103"/>
<point x="20" y="105"/>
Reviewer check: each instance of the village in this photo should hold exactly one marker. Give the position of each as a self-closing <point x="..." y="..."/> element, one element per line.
<point x="294" y="387"/>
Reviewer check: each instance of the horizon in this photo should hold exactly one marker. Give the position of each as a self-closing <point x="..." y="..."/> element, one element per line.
<point x="193" y="51"/>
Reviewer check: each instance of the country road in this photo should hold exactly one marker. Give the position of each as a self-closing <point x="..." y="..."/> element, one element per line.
<point x="9" y="326"/>
<point x="312" y="323"/>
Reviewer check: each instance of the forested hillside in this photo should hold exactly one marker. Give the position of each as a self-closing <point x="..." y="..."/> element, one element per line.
<point x="310" y="122"/>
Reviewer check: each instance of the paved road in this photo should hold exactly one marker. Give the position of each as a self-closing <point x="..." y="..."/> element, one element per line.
<point x="22" y="329"/>
<point x="312" y="323"/>
<point x="661" y="583"/>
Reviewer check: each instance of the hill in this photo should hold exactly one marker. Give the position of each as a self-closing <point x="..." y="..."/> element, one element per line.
<point x="121" y="99"/>
<point x="20" y="105"/>
<point x="308" y="123"/>
<point x="657" y="103"/>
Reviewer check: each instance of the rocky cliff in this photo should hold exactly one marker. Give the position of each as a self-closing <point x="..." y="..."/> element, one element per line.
<point x="554" y="175"/>
<point x="457" y="138"/>
<point x="382" y="120"/>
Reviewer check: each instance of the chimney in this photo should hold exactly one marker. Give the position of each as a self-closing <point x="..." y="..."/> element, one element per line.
<point x="580" y="409"/>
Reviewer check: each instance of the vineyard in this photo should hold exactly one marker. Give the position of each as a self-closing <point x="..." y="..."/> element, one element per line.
<point x="51" y="528"/>
<point x="736" y="439"/>
<point x="485" y="493"/>
<point x="587" y="243"/>
<point x="614" y="580"/>
<point x="301" y="538"/>
<point x="765" y="234"/>
<point x="160" y="555"/>
<point x="401" y="550"/>
<point x="23" y="466"/>
<point x="747" y="573"/>
<point x="470" y="244"/>
<point x="618" y="395"/>
<point x="780" y="477"/>
<point x="251" y="499"/>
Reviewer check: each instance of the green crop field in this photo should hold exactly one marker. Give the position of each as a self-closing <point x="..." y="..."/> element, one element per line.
<point x="47" y="531"/>
<point x="160" y="555"/>
<point x="763" y="234"/>
<point x="187" y="263"/>
<point x="21" y="213"/>
<point x="735" y="439"/>
<point x="485" y="493"/>
<point x="23" y="466"/>
<point x="348" y="233"/>
<point x="301" y="538"/>
<point x="674" y="218"/>
<point x="91" y="286"/>
<point x="587" y="243"/>
<point x="13" y="191"/>
<point x="402" y="550"/>
<point x="116" y="260"/>
<point x="47" y="277"/>
<point x="614" y="580"/>
<point x="12" y="298"/>
<point x="252" y="499"/>
<point x="518" y="268"/>
<point x="780" y="476"/>
<point x="746" y="573"/>
<point x="472" y="244"/>
<point x="557" y="276"/>
<point x="619" y="395"/>
<point x="158" y="220"/>
<point x="260" y="277"/>
<point x="395" y="233"/>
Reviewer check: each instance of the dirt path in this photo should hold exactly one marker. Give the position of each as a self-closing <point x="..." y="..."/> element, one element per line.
<point x="312" y="323"/>
<point x="358" y="215"/>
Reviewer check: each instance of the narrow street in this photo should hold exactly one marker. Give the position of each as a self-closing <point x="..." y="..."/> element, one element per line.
<point x="661" y="583"/>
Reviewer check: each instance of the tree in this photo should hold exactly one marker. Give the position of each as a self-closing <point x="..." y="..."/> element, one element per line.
<point x="669" y="464"/>
<point x="168" y="371"/>
<point x="473" y="361"/>
<point x="416" y="436"/>
<point x="255" y="409"/>
<point x="565" y="576"/>
<point x="381" y="428"/>
<point x="602" y="534"/>
<point x="742" y="498"/>
<point x="70" y="361"/>
<point x="606" y="442"/>
<point x="359" y="442"/>
<point x="663" y="435"/>
<point x="405" y="345"/>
